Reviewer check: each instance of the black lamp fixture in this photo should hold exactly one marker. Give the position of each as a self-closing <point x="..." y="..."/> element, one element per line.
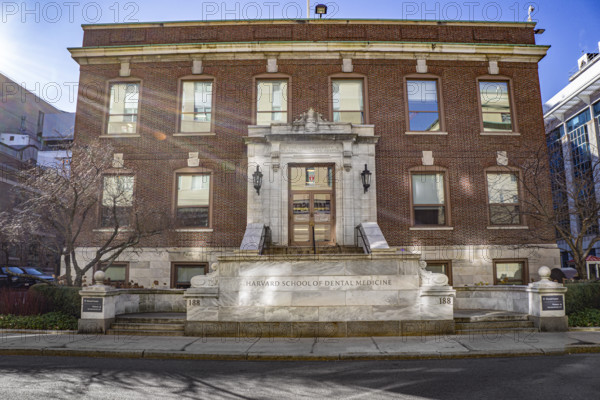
<point x="365" y="176"/>
<point x="257" y="179"/>
<point x="320" y="9"/>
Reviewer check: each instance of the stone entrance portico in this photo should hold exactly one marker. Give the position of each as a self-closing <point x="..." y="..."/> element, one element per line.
<point x="312" y="141"/>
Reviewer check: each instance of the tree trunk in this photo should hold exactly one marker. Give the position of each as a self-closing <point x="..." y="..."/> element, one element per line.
<point x="68" y="269"/>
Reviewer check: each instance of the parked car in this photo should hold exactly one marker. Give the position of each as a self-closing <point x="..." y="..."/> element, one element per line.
<point x="3" y="279"/>
<point x="17" y="281"/>
<point x="34" y="272"/>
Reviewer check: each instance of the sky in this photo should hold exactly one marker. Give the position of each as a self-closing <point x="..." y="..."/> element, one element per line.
<point x="35" y="35"/>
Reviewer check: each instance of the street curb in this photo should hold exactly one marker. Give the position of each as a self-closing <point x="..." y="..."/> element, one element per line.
<point x="160" y="355"/>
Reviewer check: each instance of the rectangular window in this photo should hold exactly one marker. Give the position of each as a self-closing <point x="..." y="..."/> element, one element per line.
<point x="193" y="200"/>
<point x="271" y="102"/>
<point x="117" y="200"/>
<point x="423" y="107"/>
<point x="182" y="274"/>
<point x="440" y="267"/>
<point x="503" y="197"/>
<point x="117" y="274"/>
<point x="510" y="273"/>
<point x="495" y="106"/>
<point x="123" y="108"/>
<point x="580" y="119"/>
<point x="428" y="199"/>
<point x="196" y="106"/>
<point x="348" y="104"/>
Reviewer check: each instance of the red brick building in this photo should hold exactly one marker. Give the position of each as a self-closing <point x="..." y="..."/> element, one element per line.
<point x="440" y="113"/>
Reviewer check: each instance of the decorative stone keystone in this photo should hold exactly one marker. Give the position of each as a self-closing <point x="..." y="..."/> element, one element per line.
<point x="501" y="158"/>
<point x="193" y="160"/>
<point x="197" y="67"/>
<point x="547" y="303"/>
<point x="347" y="65"/>
<point x="421" y="66"/>
<point x="427" y="158"/>
<point x="272" y="65"/>
<point x="493" y="67"/>
<point x="125" y="69"/>
<point x="118" y="161"/>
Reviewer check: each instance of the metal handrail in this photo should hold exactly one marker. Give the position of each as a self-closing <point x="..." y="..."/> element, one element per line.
<point x="365" y="246"/>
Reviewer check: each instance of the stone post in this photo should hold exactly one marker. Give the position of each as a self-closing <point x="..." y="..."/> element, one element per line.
<point x="97" y="306"/>
<point x="437" y="299"/>
<point x="202" y="305"/>
<point x="547" y="303"/>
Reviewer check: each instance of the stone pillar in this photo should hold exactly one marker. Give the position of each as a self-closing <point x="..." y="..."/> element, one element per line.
<point x="436" y="299"/>
<point x="547" y="303"/>
<point x="202" y="305"/>
<point x="97" y="306"/>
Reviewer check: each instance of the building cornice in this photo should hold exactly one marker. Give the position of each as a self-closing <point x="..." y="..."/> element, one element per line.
<point x="175" y="24"/>
<point x="309" y="50"/>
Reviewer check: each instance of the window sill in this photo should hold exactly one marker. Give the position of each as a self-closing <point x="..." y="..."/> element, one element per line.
<point x="500" y="134"/>
<point x="431" y="228"/>
<point x="111" y="230"/>
<point x="426" y="133"/>
<point x="195" y="134"/>
<point x="194" y="230"/>
<point x="119" y="136"/>
<point x="508" y="227"/>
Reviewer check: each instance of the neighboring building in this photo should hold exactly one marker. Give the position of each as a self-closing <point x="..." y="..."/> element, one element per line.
<point x="572" y="118"/>
<point x="437" y="112"/>
<point x="24" y="119"/>
<point x="57" y="137"/>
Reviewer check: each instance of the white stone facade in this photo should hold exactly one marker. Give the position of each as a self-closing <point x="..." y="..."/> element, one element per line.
<point x="350" y="147"/>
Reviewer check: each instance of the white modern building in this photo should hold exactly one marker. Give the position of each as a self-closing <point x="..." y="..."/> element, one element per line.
<point x="572" y="119"/>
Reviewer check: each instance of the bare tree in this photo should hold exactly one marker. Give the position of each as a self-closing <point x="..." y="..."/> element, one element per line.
<point x="64" y="204"/>
<point x="573" y="200"/>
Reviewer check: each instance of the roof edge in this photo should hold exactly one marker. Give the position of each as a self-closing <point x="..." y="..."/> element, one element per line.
<point x="162" y="24"/>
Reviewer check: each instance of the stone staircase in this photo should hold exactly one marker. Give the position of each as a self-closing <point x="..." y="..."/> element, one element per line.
<point x="482" y="322"/>
<point x="148" y="324"/>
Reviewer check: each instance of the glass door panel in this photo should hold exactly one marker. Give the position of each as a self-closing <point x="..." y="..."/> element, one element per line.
<point x="312" y="213"/>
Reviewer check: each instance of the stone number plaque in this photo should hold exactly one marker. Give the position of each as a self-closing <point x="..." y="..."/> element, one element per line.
<point x="445" y="300"/>
<point x="551" y="303"/>
<point x="92" y="305"/>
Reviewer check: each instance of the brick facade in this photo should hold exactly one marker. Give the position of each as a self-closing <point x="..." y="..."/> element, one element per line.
<point x="463" y="152"/>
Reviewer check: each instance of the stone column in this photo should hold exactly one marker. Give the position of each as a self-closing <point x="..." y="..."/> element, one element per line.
<point x="547" y="303"/>
<point x="97" y="306"/>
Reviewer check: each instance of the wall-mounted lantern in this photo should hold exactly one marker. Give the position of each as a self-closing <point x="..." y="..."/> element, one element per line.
<point x="257" y="179"/>
<point x="365" y="176"/>
<point x="320" y="9"/>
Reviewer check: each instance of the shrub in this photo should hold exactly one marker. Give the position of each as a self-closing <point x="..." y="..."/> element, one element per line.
<point x="22" y="302"/>
<point x="49" y="321"/>
<point x="585" y="318"/>
<point x="580" y="296"/>
<point x="60" y="298"/>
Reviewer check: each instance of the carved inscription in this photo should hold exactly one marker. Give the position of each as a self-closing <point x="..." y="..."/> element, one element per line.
<point x="314" y="283"/>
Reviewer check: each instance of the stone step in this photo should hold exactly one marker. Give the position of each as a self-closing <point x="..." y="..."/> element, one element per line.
<point x="150" y="320"/>
<point x="494" y="325"/>
<point x="495" y="332"/>
<point x="144" y="332"/>
<point x="493" y="318"/>
<point x="152" y="327"/>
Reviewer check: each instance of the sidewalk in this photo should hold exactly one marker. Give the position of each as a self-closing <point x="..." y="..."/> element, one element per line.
<point x="368" y="348"/>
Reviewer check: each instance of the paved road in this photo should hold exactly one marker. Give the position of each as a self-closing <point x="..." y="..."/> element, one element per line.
<point x="549" y="377"/>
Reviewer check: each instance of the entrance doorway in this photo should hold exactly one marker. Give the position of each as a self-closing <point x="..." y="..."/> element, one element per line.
<point x="312" y="204"/>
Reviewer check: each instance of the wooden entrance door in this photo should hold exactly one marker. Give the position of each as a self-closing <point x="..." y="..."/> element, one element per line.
<point x="312" y="205"/>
